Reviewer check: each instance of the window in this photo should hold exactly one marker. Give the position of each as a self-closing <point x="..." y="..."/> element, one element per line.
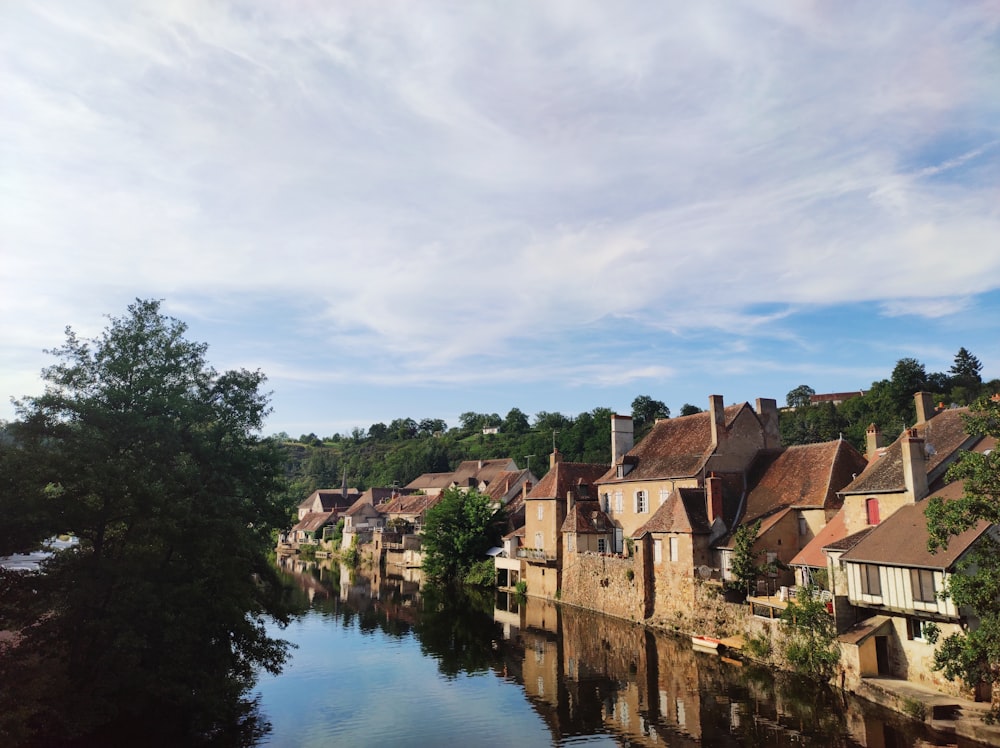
<point x="657" y="551"/>
<point x="870" y="582"/>
<point x="803" y="525"/>
<point x="602" y="545"/>
<point x="871" y="506"/>
<point x="619" y="502"/>
<point x="664" y="495"/>
<point x="571" y="542"/>
<point x="922" y="584"/>
<point x="673" y="549"/>
<point x="541" y="510"/>
<point x="641" y="502"/>
<point x="605" y="502"/>
<point x="539" y="541"/>
<point x="917" y="628"/>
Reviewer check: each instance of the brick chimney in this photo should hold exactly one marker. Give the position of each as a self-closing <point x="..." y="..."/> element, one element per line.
<point x="914" y="465"/>
<point x="873" y="442"/>
<point x="767" y="412"/>
<point x="925" y="406"/>
<point x="526" y="489"/>
<point x="717" y="409"/>
<point x="713" y="497"/>
<point x="555" y="457"/>
<point x="621" y="437"/>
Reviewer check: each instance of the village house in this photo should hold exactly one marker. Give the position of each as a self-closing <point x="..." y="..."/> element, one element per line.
<point x="319" y="512"/>
<point x="681" y="453"/>
<point x="545" y="511"/>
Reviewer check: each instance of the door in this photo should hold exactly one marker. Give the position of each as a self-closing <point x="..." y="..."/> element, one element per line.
<point x="882" y="654"/>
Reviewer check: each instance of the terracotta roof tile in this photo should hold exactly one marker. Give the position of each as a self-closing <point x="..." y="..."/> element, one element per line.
<point x="579" y="477"/>
<point x="587" y="518"/>
<point x="812" y="554"/>
<point x="808" y="475"/>
<point x="313" y="521"/>
<point x="683" y="511"/>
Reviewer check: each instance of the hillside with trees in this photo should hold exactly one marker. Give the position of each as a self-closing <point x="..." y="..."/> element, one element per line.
<point x="397" y="452"/>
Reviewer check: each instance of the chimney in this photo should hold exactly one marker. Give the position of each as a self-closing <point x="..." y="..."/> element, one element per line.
<point x="554" y="458"/>
<point x="717" y="409"/>
<point x="767" y="411"/>
<point x="925" y="406"/>
<point x="526" y="489"/>
<point x="621" y="437"/>
<point x="569" y="501"/>
<point x="480" y="464"/>
<point x="873" y="442"/>
<point x="914" y="465"/>
<point x="713" y="498"/>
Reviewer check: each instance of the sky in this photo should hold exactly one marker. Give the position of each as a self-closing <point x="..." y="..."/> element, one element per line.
<point x="418" y="209"/>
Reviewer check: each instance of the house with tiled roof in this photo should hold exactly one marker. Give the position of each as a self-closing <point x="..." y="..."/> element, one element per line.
<point x="545" y="511"/>
<point x="794" y="494"/>
<point x="309" y="529"/>
<point x="905" y="472"/>
<point x="681" y="453"/>
<point x="328" y="500"/>
<point x="477" y="474"/>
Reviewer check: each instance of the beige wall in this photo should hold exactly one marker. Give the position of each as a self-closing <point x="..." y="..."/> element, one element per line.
<point x="542" y="579"/>
<point x="630" y="520"/>
<point x="856" y="510"/>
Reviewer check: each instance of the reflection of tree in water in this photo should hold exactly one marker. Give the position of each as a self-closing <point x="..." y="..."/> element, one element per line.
<point x="456" y="628"/>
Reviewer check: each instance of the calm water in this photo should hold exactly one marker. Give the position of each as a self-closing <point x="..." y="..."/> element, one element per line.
<point x="382" y="662"/>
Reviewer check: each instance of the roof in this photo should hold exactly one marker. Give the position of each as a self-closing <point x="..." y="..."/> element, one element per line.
<point x="587" y="518"/>
<point x="848" y="542"/>
<point x="943" y="436"/>
<point x="901" y="540"/>
<point x="804" y="476"/>
<point x="313" y="521"/>
<point x="675" y="447"/>
<point x="863" y="630"/>
<point x="684" y="511"/>
<point x="430" y="480"/>
<point x="474" y="472"/>
<point x="412" y="504"/>
<point x="331" y="498"/>
<point x="580" y="478"/>
<point x="503" y="482"/>
<point x="812" y="555"/>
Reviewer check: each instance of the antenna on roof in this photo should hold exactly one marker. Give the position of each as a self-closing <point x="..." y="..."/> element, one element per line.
<point x="527" y="459"/>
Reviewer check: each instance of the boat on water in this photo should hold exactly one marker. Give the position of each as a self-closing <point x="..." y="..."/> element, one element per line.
<point x="706" y="643"/>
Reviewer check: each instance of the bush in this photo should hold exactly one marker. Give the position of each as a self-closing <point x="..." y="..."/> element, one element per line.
<point x="481" y="574"/>
<point x="810" y="636"/>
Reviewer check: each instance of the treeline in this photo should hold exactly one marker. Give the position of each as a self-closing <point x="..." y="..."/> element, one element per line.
<point x="397" y="452"/>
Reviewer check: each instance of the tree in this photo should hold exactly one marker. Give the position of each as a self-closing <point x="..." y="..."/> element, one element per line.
<point x="516" y="422"/>
<point x="151" y="459"/>
<point x="687" y="409"/>
<point x="810" y="636"/>
<point x="458" y="531"/>
<point x="800" y="396"/>
<point x="744" y="566"/>
<point x="974" y="654"/>
<point x="965" y="372"/>
<point x="645" y="411"/>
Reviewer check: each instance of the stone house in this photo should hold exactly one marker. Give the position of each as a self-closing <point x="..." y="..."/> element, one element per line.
<point x="681" y="453"/>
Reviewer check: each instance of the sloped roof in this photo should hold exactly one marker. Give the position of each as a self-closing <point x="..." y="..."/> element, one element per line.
<point x="331" y="498"/>
<point x="674" y="448"/>
<point x="479" y="471"/>
<point x="579" y="477"/>
<point x="313" y="521"/>
<point x="901" y="540"/>
<point x="408" y="504"/>
<point x="430" y="481"/>
<point x="812" y="554"/>
<point x="587" y="518"/>
<point x="943" y="436"/>
<point x="804" y="476"/>
<point x="848" y="542"/>
<point x="503" y="482"/>
<point x="684" y="511"/>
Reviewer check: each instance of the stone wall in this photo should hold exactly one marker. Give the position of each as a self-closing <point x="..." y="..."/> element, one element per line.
<point x="612" y="585"/>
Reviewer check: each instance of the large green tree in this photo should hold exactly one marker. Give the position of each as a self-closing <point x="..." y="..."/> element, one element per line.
<point x="152" y="460"/>
<point x="458" y="531"/>
<point x="973" y="655"/>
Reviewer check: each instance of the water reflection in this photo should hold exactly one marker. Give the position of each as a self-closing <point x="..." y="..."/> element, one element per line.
<point x="587" y="678"/>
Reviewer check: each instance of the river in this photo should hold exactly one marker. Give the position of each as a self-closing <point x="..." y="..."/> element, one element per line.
<point x="382" y="661"/>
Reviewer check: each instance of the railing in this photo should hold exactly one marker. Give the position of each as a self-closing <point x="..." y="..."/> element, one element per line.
<point x="536" y="554"/>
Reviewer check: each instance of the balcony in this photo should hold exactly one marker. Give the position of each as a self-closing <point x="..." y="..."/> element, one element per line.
<point x="537" y="555"/>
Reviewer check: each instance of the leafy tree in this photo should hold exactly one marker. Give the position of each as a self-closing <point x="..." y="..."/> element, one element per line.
<point x="645" y="411"/>
<point x="687" y="409"/>
<point x="150" y="458"/>
<point x="809" y="636"/>
<point x="378" y="431"/>
<point x="973" y="655"/>
<point x="799" y="397"/>
<point x="431" y="426"/>
<point x="403" y="428"/>
<point x="744" y="566"/>
<point x="458" y="531"/>
<point x="516" y="422"/>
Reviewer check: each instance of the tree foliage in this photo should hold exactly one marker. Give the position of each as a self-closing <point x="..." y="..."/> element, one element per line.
<point x="458" y="531"/>
<point x="973" y="655"/>
<point x="799" y="397"/>
<point x="809" y="636"/>
<point x="150" y="458"/>
<point x="744" y="568"/>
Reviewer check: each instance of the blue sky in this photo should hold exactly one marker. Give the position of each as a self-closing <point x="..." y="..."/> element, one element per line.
<point x="419" y="209"/>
